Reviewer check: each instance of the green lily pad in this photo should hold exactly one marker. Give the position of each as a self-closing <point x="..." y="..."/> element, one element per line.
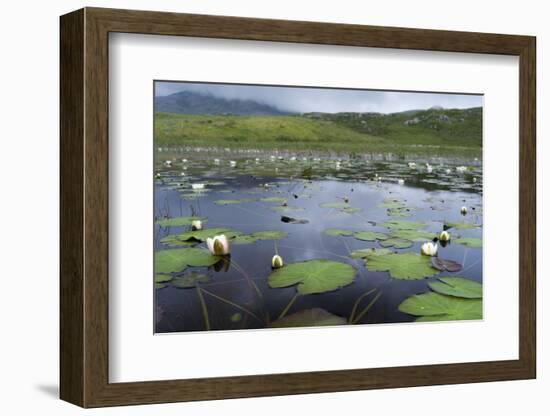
<point x="273" y="199"/>
<point x="446" y="265"/>
<point x="179" y="221"/>
<point x="437" y="307"/>
<point x="405" y="266"/>
<point x="190" y="280"/>
<point x="173" y="241"/>
<point x="202" y="235"/>
<point x="459" y="225"/>
<point x="334" y="205"/>
<point x="286" y="208"/>
<point x="458" y="287"/>
<point x="233" y="201"/>
<point x="396" y="243"/>
<point x="469" y="242"/>
<point x="335" y="232"/>
<point x="177" y="260"/>
<point x="351" y="210"/>
<point x="308" y="317"/>
<point x="403" y="225"/>
<point x="261" y="235"/>
<point x="160" y="285"/>
<point x="392" y="204"/>
<point x="413" y="235"/>
<point x="313" y="276"/>
<point x="162" y="278"/>
<point x="368" y="253"/>
<point x="370" y="236"/>
<point x="236" y="317"/>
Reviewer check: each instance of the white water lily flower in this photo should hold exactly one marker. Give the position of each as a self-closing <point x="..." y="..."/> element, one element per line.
<point x="196" y="225"/>
<point x="444" y="236"/>
<point x="412" y="165"/>
<point x="182" y="174"/>
<point x="219" y="245"/>
<point x="277" y="262"/>
<point x="197" y="185"/>
<point x="168" y="163"/>
<point x="429" y="168"/>
<point x="216" y="161"/>
<point x="447" y="171"/>
<point x="429" y="249"/>
<point x="463" y="210"/>
<point x="293" y="158"/>
<point x="474" y="179"/>
<point x="184" y="160"/>
<point x="401" y="182"/>
<point x="232" y="163"/>
<point x="157" y="175"/>
<point x="461" y="169"/>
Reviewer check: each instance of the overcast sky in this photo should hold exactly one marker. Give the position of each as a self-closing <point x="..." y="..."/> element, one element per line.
<point x="304" y="100"/>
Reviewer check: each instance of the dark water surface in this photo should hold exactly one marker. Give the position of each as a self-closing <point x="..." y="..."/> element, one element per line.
<point x="431" y="197"/>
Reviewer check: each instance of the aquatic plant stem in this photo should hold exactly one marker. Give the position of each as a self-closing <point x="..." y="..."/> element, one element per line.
<point x="356" y="304"/>
<point x="236" y="305"/>
<point x="367" y="308"/>
<point x="204" y="309"/>
<point x="288" y="306"/>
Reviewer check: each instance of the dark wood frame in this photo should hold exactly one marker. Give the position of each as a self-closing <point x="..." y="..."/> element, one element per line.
<point x="84" y="207"/>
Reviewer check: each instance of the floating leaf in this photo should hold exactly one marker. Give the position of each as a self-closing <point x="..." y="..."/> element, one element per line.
<point x="469" y="242"/>
<point x="286" y="208"/>
<point x="392" y="204"/>
<point x="437" y="307"/>
<point x="406" y="266"/>
<point x="335" y="232"/>
<point x="233" y="201"/>
<point x="370" y="236"/>
<point x="459" y="225"/>
<point x="413" y="235"/>
<point x="179" y="221"/>
<point x="368" y="253"/>
<point x="162" y="278"/>
<point x="308" y="317"/>
<point x="351" y="210"/>
<point x="334" y="205"/>
<point x="458" y="287"/>
<point x="160" y="285"/>
<point x="190" y="280"/>
<point x="202" y="235"/>
<point x="396" y="243"/>
<point x="313" y="276"/>
<point x="173" y="241"/>
<point x="446" y="265"/>
<point x="176" y="260"/>
<point x="236" y="317"/>
<point x="260" y="235"/>
<point x="273" y="199"/>
<point x="403" y="225"/>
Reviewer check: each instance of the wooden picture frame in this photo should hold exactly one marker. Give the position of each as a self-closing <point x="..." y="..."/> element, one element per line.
<point x="84" y="207"/>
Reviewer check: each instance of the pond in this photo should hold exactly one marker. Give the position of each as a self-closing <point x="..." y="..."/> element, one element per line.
<point x="349" y="231"/>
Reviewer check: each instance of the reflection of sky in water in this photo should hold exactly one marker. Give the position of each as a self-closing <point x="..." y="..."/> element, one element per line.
<point x="431" y="203"/>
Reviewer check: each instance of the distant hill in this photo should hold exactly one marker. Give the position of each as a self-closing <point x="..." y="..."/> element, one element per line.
<point x="189" y="102"/>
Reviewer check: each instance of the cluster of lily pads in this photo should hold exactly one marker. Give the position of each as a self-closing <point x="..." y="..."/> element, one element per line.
<point x="449" y="298"/>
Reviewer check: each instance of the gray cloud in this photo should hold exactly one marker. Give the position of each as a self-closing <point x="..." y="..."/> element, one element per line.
<point x="326" y="100"/>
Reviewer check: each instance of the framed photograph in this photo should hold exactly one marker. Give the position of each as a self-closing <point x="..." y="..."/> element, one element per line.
<point x="263" y="207"/>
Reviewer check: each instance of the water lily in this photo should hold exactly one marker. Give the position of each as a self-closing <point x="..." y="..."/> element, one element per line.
<point x="277" y="262"/>
<point x="463" y="210"/>
<point x="429" y="168"/>
<point x="461" y="169"/>
<point x="401" y="182"/>
<point x="196" y="225"/>
<point x="412" y="165"/>
<point x="219" y="245"/>
<point x="197" y="186"/>
<point x="184" y="160"/>
<point x="232" y="163"/>
<point x="293" y="158"/>
<point x="447" y="171"/>
<point x="444" y="236"/>
<point x="216" y="161"/>
<point x="158" y="176"/>
<point x="429" y="249"/>
<point x="168" y="163"/>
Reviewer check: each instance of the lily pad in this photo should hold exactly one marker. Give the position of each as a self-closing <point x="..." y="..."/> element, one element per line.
<point x="413" y="235"/>
<point x="173" y="241"/>
<point x="460" y="225"/>
<point x="308" y="317"/>
<point x="405" y="266"/>
<point x="351" y="210"/>
<point x="458" y="287"/>
<point x="403" y="225"/>
<point x="446" y="265"/>
<point x="177" y="260"/>
<point x="179" y="221"/>
<point x="469" y="242"/>
<point x="396" y="243"/>
<point x="190" y="280"/>
<point x="392" y="204"/>
<point x="334" y="205"/>
<point x="313" y="276"/>
<point x="162" y="278"/>
<point x="233" y="201"/>
<point x="370" y="236"/>
<point x="261" y="235"/>
<point x="273" y="199"/>
<point x="335" y="232"/>
<point x="437" y="307"/>
<point x="202" y="235"/>
<point x="286" y="208"/>
<point x="236" y="317"/>
<point x="368" y="253"/>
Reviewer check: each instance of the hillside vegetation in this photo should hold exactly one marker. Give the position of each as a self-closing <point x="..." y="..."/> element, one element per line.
<point x="434" y="131"/>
